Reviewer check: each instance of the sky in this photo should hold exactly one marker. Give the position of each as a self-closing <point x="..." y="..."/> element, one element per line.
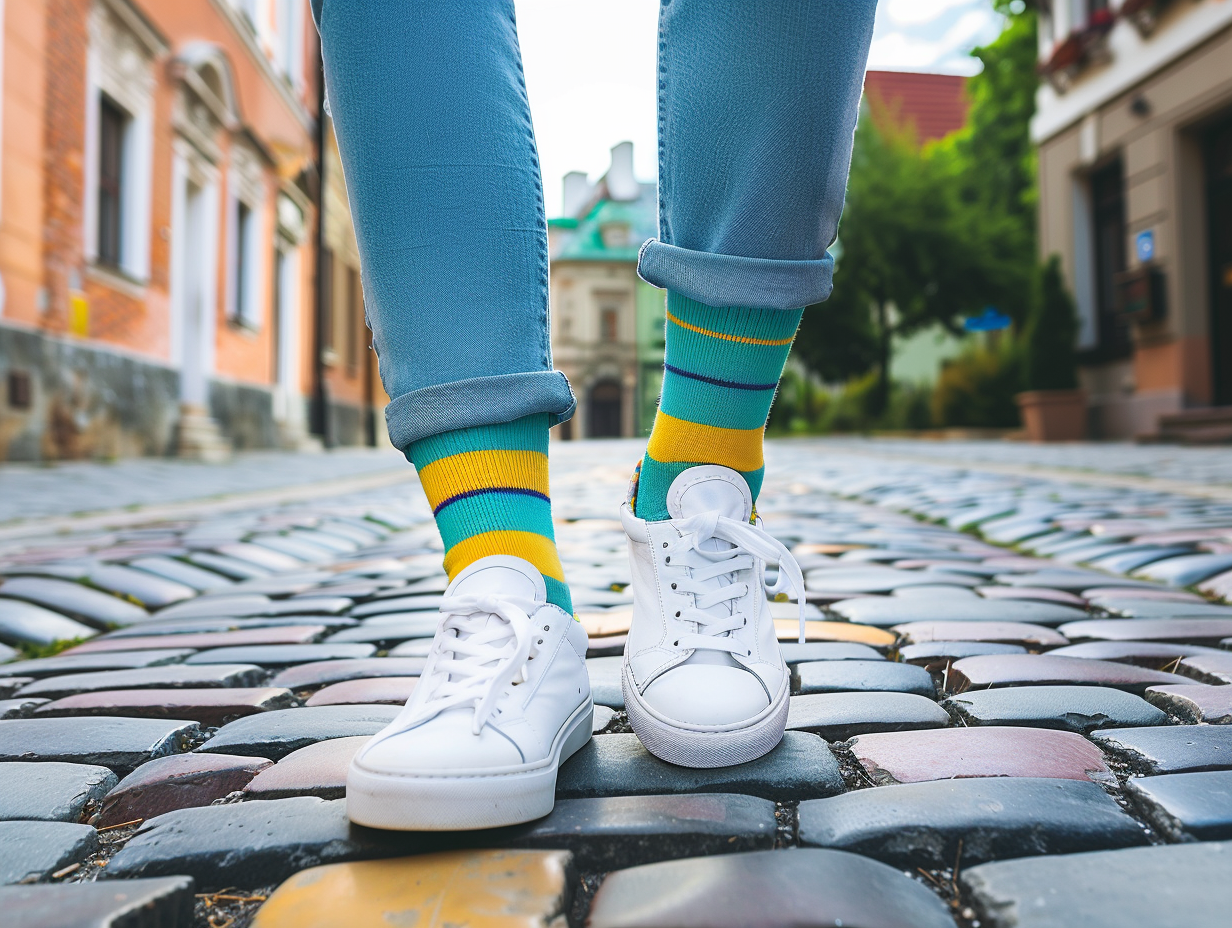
<point x="590" y="71"/>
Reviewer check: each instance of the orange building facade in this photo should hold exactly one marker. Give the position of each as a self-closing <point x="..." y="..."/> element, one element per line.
<point x="161" y="234"/>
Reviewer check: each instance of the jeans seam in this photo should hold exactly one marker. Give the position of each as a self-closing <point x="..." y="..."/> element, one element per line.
<point x="662" y="122"/>
<point x="545" y="341"/>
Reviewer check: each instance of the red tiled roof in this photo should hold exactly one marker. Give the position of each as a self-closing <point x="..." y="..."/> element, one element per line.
<point x="935" y="104"/>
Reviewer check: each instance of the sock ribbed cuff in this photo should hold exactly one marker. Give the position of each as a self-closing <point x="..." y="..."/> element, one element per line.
<point x="488" y="488"/>
<point x="721" y="369"/>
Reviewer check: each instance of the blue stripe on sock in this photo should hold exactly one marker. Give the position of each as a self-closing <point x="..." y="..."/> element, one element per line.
<point x="490" y="512"/>
<point x="731" y="384"/>
<point x="692" y="400"/>
<point x="517" y="491"/>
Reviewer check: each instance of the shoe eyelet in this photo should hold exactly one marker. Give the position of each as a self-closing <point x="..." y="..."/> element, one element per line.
<point x="677" y="615"/>
<point x="748" y="654"/>
<point x="547" y="628"/>
<point x="668" y="559"/>
<point x="676" y="643"/>
<point x="673" y="586"/>
<point x="665" y="544"/>
<point x="540" y="641"/>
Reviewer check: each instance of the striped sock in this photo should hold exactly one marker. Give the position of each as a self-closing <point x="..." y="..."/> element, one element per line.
<point x="720" y="372"/>
<point x="488" y="488"/>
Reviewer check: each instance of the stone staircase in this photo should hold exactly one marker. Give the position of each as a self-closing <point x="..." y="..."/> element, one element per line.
<point x="1208" y="425"/>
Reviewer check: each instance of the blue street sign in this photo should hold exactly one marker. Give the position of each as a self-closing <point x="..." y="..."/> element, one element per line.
<point x="990" y="320"/>
<point x="1144" y="245"/>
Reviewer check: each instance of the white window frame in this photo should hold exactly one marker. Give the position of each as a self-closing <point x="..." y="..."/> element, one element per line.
<point x="119" y="64"/>
<point x="288" y="40"/>
<point x="246" y="186"/>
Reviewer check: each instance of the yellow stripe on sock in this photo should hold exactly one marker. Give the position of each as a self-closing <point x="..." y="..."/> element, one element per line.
<point x="743" y="339"/>
<point x="476" y="470"/>
<point x="678" y="440"/>
<point x="530" y="546"/>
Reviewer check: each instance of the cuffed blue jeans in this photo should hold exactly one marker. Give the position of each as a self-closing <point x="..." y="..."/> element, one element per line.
<point x="757" y="109"/>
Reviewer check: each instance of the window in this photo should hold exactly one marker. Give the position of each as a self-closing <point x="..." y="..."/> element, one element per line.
<point x="289" y="41"/>
<point x="119" y="145"/>
<point x="354" y="321"/>
<point x="609" y="319"/>
<point x="249" y="10"/>
<point x="1108" y="226"/>
<point x="113" y="128"/>
<point x="244" y="299"/>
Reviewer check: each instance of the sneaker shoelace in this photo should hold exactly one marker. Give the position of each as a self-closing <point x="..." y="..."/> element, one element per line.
<point x="748" y="542"/>
<point x="473" y="658"/>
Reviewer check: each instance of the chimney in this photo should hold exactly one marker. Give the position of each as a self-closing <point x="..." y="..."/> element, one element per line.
<point x="576" y="193"/>
<point x="621" y="184"/>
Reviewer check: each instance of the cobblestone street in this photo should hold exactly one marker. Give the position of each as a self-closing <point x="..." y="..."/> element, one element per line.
<point x="1013" y="708"/>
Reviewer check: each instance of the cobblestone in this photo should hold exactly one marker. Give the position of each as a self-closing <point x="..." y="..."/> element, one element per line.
<point x="134" y="904"/>
<point x="325" y="603"/>
<point x="1187" y="806"/>
<point x="1180" y="885"/>
<point x="51" y="792"/>
<point x="30" y="852"/>
<point x="1068" y="708"/>
<point x="935" y="825"/>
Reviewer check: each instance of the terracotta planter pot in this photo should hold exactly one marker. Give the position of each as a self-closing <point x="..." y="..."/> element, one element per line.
<point x="1054" y="415"/>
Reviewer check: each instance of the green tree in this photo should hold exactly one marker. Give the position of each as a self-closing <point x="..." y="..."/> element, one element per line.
<point x="934" y="233"/>
<point x="912" y="256"/>
<point x="992" y="158"/>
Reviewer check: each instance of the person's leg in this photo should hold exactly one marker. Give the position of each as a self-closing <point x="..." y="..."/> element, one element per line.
<point x="757" y="110"/>
<point x="757" y="113"/>
<point x="433" y="127"/>
<point x="430" y="112"/>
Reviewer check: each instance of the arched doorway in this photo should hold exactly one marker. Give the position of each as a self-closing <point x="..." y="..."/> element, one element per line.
<point x="603" y="410"/>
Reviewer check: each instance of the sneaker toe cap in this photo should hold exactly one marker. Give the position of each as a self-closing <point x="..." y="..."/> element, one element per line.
<point x="707" y="694"/>
<point x="439" y="745"/>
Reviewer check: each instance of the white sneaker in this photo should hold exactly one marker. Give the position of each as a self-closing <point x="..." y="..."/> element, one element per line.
<point x="704" y="682"/>
<point x="503" y="700"/>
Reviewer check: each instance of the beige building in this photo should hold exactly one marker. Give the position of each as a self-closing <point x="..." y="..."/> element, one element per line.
<point x="607" y="323"/>
<point x="1134" y="127"/>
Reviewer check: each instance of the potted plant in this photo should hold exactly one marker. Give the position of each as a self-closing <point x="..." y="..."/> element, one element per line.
<point x="1053" y="408"/>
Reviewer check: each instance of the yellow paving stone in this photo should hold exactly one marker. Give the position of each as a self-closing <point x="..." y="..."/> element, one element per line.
<point x="789" y="630"/>
<point x="802" y="550"/>
<point x="606" y="621"/>
<point x="458" y="889"/>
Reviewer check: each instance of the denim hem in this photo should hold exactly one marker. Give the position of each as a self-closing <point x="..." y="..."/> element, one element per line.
<point x="477" y="401"/>
<point x="730" y="280"/>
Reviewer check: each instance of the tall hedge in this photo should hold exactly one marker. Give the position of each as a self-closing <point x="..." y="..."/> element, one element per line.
<point x="1051" y="334"/>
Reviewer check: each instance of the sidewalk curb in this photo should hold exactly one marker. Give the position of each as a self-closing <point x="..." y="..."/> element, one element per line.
<point x="230" y="502"/>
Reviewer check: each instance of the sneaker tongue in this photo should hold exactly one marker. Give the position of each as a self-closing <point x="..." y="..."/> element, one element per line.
<point x="500" y="575"/>
<point x="710" y="488"/>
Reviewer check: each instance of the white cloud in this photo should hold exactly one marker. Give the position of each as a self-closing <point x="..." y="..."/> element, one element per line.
<point x="590" y="75"/>
<point x="897" y="51"/>
<point x="591" y="67"/>
<point x="937" y="46"/>
<point x="971" y="29"/>
<point x="916" y="12"/>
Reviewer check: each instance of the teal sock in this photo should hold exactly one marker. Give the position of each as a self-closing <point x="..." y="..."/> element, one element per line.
<point x="488" y="488"/>
<point x="720" y="371"/>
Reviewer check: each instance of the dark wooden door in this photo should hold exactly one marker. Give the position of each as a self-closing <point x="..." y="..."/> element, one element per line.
<point x="605" y="411"/>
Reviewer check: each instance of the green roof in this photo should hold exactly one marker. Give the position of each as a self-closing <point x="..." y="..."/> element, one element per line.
<point x="612" y="230"/>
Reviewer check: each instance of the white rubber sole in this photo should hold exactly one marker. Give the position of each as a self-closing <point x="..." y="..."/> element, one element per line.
<point x="706" y="746"/>
<point x="464" y="801"/>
